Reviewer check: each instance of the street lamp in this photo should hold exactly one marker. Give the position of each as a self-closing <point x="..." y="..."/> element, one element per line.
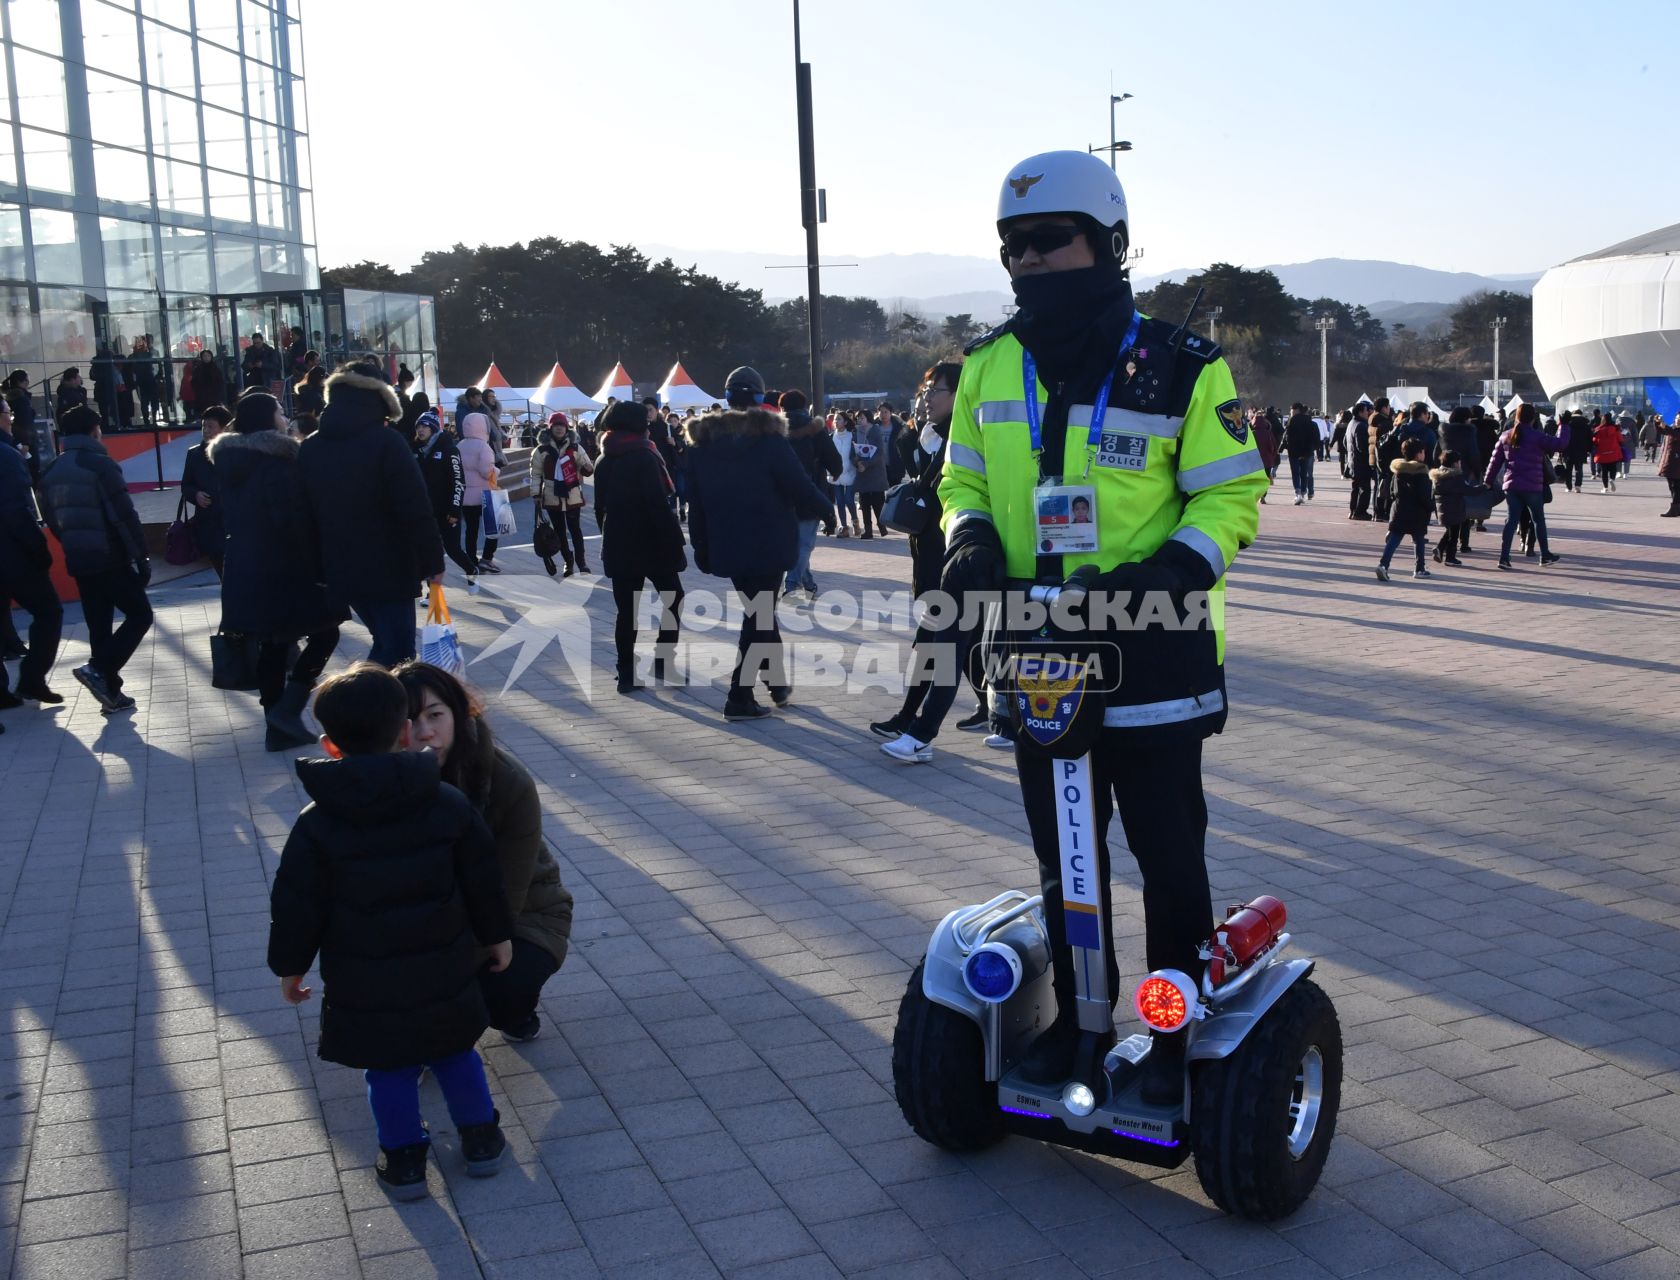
<point x="810" y="211"/>
<point x="1498" y="327"/>
<point x="1114" y="143"/>
<point x="1324" y="324"/>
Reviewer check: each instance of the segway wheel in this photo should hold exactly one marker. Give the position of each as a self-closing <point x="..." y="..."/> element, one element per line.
<point x="1262" y="1119"/>
<point x="939" y="1074"/>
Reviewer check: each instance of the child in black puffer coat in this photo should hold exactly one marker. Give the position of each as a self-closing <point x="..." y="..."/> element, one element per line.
<point x="391" y="877"/>
<point x="1414" y="498"/>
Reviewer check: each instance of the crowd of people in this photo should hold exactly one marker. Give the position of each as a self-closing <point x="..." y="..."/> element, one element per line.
<point x="1407" y="465"/>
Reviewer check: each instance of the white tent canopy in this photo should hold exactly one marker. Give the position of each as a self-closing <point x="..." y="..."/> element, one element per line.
<point x="1514" y="403"/>
<point x="1488" y="406"/>
<point x="618" y="386"/>
<point x="1364" y="398"/>
<point x="559" y="392"/>
<point x="1405" y="397"/>
<point x="679" y="392"/>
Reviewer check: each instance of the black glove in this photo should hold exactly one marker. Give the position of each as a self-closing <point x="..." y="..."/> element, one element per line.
<point x="974" y="561"/>
<point x="143" y="571"/>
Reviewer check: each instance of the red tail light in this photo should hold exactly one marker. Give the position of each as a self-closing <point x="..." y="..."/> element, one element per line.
<point x="1165" y="999"/>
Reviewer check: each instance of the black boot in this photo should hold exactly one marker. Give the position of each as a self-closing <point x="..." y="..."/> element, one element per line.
<point x="483" y="1146"/>
<point x="286" y="729"/>
<point x="1163" y="1070"/>
<point x="1050" y="1060"/>
<point x="402" y="1170"/>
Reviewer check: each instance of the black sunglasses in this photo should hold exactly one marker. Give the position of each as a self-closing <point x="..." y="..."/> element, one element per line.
<point x="1046" y="239"/>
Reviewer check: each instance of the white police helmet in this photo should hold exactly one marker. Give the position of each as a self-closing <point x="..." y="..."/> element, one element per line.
<point x="1071" y="182"/>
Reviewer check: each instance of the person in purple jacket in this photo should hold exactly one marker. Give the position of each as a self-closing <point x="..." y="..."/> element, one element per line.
<point x="1521" y="455"/>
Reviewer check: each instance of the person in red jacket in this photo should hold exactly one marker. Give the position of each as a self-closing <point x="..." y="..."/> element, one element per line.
<point x="1607" y="452"/>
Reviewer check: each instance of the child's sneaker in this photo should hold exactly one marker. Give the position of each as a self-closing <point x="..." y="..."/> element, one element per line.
<point x="402" y="1170"/>
<point x="483" y="1146"/>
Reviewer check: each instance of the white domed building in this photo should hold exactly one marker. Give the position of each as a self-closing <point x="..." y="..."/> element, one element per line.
<point x="1607" y="327"/>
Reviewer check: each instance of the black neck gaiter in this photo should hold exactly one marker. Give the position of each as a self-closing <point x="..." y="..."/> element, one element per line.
<point x="1072" y="321"/>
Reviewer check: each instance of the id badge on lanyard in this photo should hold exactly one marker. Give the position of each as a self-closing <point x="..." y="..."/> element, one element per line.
<point x="1065" y="509"/>
<point x="1066" y="512"/>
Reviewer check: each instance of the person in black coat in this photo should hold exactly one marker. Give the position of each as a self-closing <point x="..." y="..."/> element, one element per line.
<point x="1414" y="499"/>
<point x="440" y="468"/>
<point x="928" y="701"/>
<point x="201" y="488"/>
<point x="87" y="505"/>
<point x="390" y="877"/>
<point x="820" y="460"/>
<point x="25" y="559"/>
<point x="24" y="430"/>
<point x="377" y="536"/>
<point x="1300" y="439"/>
<point x="271" y="581"/>
<point x="641" y="539"/>
<point x="208" y="385"/>
<point x="748" y="494"/>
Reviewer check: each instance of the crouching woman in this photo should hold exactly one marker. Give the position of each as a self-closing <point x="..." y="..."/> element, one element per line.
<point x="449" y="722"/>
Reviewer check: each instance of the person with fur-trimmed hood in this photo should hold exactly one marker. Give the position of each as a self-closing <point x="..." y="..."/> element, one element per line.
<point x="377" y="537"/>
<point x="271" y="585"/>
<point x="748" y="494"/>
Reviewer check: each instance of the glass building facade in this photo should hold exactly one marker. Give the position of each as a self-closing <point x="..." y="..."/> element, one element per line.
<point x="155" y="196"/>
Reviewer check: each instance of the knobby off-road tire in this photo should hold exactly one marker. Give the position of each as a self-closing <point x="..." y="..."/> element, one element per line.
<point x="1241" y="1115"/>
<point x="939" y="1074"/>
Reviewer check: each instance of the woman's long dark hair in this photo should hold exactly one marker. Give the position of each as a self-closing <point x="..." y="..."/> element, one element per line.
<point x="473" y="755"/>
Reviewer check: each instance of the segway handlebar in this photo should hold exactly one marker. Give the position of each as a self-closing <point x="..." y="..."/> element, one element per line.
<point x="1050" y="595"/>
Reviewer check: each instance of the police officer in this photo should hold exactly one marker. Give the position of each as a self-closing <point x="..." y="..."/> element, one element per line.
<point x="1080" y="395"/>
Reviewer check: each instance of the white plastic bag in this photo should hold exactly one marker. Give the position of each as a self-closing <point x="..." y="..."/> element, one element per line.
<point x="498" y="514"/>
<point x="439" y="645"/>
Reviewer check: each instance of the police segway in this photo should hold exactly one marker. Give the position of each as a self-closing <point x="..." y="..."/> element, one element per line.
<point x="1264" y="1053"/>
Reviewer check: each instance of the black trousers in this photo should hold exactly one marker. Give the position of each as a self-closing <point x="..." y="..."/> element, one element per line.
<point x="451" y="534"/>
<point x="511" y="995"/>
<point x="1360" y="499"/>
<point x="627" y="595"/>
<point x="760" y="646"/>
<point x="568" y="523"/>
<point x="929" y="700"/>
<point x="471" y="516"/>
<point x="1447" y="544"/>
<point x="104" y="595"/>
<point x="871" y="505"/>
<point x="1572" y="474"/>
<point x="1158" y="790"/>
<point x="273" y="656"/>
<point x="33" y="589"/>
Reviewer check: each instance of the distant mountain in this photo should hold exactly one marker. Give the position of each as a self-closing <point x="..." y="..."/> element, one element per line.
<point x="1417" y="316"/>
<point x="1361" y="282"/>
<point x="940" y="284"/>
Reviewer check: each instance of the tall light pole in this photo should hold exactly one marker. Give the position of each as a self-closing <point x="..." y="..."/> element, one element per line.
<point x="1498" y="326"/>
<point x="1114" y="100"/>
<point x="1213" y="323"/>
<point x="809" y="214"/>
<point x="1324" y="324"/>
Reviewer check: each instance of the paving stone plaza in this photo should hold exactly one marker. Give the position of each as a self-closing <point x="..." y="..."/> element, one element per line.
<point x="1465" y="790"/>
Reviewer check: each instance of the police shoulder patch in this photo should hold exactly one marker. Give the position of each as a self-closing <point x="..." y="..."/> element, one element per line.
<point x="1231" y="418"/>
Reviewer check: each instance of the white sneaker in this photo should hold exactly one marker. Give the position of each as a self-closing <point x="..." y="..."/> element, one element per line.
<point x="998" y="741"/>
<point x="1299" y="500"/>
<point x="472" y="585"/>
<point x="907" y="750"/>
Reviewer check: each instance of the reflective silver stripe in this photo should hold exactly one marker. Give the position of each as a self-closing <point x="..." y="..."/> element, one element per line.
<point x="1203" y="546"/>
<point x="1195" y="479"/>
<point x="1174" y="712"/>
<point x="984" y="517"/>
<point x="964" y="456"/>
<point x="1141" y="424"/>
<point x="1000" y="411"/>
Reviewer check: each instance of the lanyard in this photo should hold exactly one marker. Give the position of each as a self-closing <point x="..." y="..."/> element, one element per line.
<point x="1029" y="382"/>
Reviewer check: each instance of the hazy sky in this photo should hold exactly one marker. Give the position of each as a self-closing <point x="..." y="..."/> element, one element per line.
<point x="1477" y="135"/>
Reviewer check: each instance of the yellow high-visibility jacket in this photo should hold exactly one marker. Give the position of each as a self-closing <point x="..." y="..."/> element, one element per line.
<point x="1175" y="463"/>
